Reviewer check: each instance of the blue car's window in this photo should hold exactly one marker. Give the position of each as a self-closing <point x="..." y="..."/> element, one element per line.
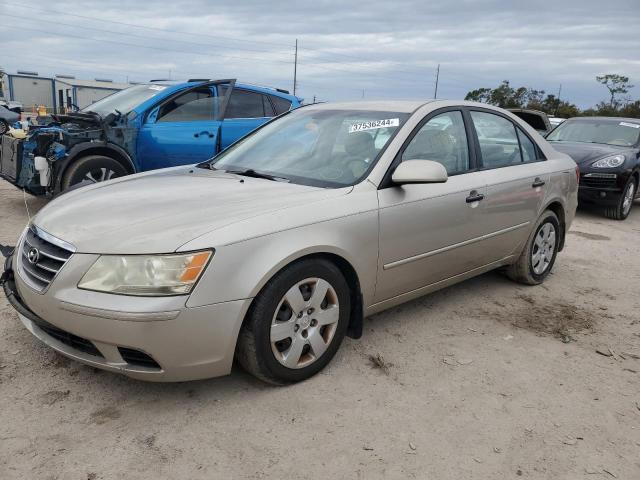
<point x="192" y="106"/>
<point x="245" y="104"/>
<point x="282" y="104"/>
<point x="327" y="148"/>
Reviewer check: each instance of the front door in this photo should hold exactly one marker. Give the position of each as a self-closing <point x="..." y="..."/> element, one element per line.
<point x="430" y="232"/>
<point x="182" y="130"/>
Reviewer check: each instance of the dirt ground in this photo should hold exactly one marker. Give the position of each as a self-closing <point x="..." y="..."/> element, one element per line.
<point x="484" y="380"/>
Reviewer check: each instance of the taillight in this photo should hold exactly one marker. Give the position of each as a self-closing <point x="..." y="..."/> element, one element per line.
<point x="578" y="174"/>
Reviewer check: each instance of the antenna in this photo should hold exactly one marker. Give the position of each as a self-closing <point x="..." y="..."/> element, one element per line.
<point x="435" y="94"/>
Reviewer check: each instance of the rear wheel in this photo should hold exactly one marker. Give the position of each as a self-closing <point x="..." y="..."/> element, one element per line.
<point x="92" y="169"/>
<point x="621" y="210"/>
<point x="539" y="255"/>
<point x="296" y="323"/>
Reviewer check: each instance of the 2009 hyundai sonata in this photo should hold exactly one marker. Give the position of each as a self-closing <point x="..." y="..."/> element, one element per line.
<point x="279" y="247"/>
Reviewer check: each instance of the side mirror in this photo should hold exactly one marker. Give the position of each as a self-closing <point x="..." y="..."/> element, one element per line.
<point x="419" y="171"/>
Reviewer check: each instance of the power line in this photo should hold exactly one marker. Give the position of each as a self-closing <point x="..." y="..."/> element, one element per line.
<point x="142" y="26"/>
<point x="143" y="36"/>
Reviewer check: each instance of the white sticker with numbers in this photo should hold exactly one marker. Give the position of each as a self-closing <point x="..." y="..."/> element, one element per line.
<point x="632" y="125"/>
<point x="373" y="124"/>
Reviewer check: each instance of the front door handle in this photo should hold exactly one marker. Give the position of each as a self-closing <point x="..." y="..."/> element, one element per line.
<point x="474" y="196"/>
<point x="203" y="133"/>
<point x="538" y="182"/>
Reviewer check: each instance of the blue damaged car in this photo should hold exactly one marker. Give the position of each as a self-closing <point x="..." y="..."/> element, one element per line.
<point x="147" y="126"/>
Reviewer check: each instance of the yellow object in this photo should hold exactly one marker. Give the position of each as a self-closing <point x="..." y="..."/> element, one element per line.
<point x="42" y="111"/>
<point x="17" y="133"/>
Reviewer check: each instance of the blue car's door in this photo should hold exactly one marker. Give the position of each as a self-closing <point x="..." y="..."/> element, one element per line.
<point x="246" y="111"/>
<point x="183" y="129"/>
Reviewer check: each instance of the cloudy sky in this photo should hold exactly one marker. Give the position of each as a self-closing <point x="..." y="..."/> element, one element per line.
<point x="379" y="49"/>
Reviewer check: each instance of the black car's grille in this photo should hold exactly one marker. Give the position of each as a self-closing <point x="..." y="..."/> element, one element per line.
<point x="41" y="260"/>
<point x="599" y="180"/>
<point x="69" y="339"/>
<point x="136" y="357"/>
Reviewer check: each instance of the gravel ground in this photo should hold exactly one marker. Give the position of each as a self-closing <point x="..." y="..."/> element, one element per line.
<point x="483" y="380"/>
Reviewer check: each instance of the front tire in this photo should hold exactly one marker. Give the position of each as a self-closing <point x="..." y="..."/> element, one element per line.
<point x="539" y="254"/>
<point x="296" y="323"/>
<point x="621" y="210"/>
<point x="92" y="169"/>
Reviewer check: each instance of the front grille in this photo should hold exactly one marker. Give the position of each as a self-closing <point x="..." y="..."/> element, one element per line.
<point x="46" y="259"/>
<point x="599" y="180"/>
<point x="136" y="357"/>
<point x="69" y="339"/>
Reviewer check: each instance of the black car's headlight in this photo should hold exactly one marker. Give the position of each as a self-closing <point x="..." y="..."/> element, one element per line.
<point x="611" y="161"/>
<point x="146" y="275"/>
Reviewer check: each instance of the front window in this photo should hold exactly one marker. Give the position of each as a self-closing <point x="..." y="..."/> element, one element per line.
<point x="325" y="148"/>
<point x="125" y="100"/>
<point x="606" y="131"/>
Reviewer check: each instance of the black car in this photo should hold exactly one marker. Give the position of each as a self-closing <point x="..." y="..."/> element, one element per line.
<point x="607" y="150"/>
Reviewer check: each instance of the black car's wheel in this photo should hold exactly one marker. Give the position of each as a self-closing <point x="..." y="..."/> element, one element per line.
<point x="4" y="127"/>
<point x="92" y="169"/>
<point x="539" y="255"/>
<point x="622" y="208"/>
<point x="296" y="323"/>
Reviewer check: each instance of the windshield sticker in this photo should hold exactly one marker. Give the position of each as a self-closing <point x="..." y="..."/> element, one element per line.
<point x="159" y="88"/>
<point x="632" y="125"/>
<point x="359" y="127"/>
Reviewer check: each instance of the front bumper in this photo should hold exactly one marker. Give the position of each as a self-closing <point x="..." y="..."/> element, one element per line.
<point x="602" y="188"/>
<point x="157" y="344"/>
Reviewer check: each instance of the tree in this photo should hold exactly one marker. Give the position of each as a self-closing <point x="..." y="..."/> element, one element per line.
<point x="616" y="84"/>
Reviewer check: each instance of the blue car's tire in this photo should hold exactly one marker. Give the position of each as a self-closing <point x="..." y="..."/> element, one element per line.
<point x="92" y="169"/>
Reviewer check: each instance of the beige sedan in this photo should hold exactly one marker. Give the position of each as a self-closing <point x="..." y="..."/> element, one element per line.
<point x="279" y="247"/>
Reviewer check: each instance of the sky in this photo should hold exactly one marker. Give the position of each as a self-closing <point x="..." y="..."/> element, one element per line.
<point x="346" y="50"/>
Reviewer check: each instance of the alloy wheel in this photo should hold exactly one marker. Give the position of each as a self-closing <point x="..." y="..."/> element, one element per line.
<point x="627" y="200"/>
<point x="100" y="175"/>
<point x="543" y="248"/>
<point x="304" y="323"/>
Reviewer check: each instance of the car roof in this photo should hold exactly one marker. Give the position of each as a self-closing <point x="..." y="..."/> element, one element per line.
<point x="619" y="119"/>
<point x="249" y="86"/>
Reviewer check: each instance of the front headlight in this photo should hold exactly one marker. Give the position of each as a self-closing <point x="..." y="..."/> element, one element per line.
<point x="609" y="162"/>
<point x="146" y="275"/>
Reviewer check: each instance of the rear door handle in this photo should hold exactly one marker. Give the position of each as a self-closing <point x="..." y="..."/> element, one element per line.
<point x="474" y="196"/>
<point x="538" y="182"/>
<point x="196" y="135"/>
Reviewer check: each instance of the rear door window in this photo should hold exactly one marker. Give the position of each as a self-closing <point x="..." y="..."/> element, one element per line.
<point x="245" y="104"/>
<point x="499" y="144"/>
<point x="529" y="151"/>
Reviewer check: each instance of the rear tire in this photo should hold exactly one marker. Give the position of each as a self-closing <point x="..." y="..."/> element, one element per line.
<point x="623" y="207"/>
<point x="92" y="169"/>
<point x="539" y="254"/>
<point x="296" y="323"/>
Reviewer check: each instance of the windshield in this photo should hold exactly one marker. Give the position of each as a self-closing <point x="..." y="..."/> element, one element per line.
<point x="326" y="148"/>
<point x="125" y="100"/>
<point x="608" y="132"/>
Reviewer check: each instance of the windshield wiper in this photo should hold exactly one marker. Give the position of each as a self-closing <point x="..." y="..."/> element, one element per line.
<point x="250" y="172"/>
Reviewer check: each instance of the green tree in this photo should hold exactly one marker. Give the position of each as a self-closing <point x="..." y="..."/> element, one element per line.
<point x="616" y="84"/>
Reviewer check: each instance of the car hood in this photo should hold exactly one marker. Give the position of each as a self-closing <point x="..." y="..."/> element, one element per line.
<point x="157" y="212"/>
<point x="586" y="153"/>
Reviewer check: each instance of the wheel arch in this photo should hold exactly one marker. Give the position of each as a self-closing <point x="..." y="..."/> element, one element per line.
<point x="86" y="149"/>
<point x="558" y="208"/>
<point x="350" y="274"/>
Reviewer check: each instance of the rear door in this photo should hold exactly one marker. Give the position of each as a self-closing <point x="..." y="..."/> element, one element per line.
<point x="516" y="180"/>
<point x="184" y="129"/>
<point x="246" y="111"/>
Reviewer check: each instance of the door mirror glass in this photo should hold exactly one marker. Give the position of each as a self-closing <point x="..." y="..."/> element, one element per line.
<point x="419" y="171"/>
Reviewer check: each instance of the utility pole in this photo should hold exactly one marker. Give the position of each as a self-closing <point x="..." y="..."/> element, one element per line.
<point x="435" y="94"/>
<point x="295" y="68"/>
<point x="558" y="100"/>
<point x="363" y="93"/>
<point x="314" y="99"/>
